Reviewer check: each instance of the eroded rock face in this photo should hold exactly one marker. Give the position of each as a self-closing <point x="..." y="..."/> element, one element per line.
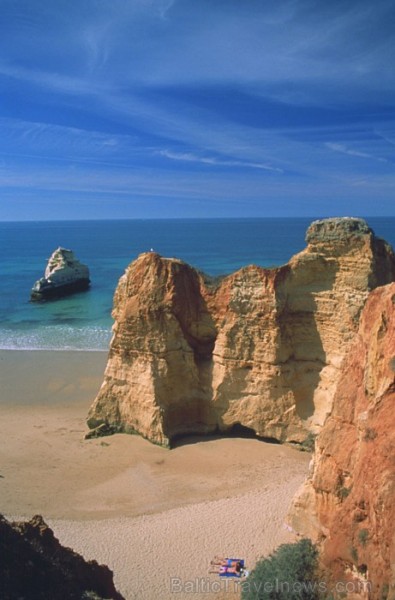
<point x="348" y="502"/>
<point x="34" y="565"/>
<point x="261" y="348"/>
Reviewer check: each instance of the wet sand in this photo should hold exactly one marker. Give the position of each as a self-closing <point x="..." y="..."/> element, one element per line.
<point x="155" y="516"/>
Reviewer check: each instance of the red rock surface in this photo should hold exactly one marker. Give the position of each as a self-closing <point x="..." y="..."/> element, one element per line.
<point x="261" y="348"/>
<point x="348" y="504"/>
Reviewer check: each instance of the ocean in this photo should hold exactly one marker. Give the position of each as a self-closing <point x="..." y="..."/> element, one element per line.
<point x="83" y="321"/>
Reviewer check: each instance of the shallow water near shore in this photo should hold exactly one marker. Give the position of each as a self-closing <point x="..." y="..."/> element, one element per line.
<point x="83" y="321"/>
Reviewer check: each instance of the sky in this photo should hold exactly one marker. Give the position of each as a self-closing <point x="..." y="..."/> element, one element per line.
<point x="196" y="108"/>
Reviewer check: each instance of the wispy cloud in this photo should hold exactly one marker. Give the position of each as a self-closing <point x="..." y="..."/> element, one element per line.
<point x="46" y="140"/>
<point x="345" y="150"/>
<point x="386" y="137"/>
<point x="162" y="42"/>
<point x="52" y="81"/>
<point x="251" y="99"/>
<point x="190" y="157"/>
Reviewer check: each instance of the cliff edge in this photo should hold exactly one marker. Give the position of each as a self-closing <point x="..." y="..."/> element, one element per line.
<point x="347" y="504"/>
<point x="261" y="348"/>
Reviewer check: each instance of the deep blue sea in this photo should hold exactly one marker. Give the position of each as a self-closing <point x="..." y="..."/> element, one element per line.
<point x="83" y="321"/>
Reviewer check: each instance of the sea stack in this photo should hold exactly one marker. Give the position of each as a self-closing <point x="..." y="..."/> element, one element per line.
<point x="260" y="349"/>
<point x="64" y="275"/>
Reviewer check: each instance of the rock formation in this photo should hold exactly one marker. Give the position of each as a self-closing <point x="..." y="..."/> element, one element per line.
<point x="35" y="566"/>
<point x="261" y="348"/>
<point x="64" y="275"/>
<point x="347" y="504"/>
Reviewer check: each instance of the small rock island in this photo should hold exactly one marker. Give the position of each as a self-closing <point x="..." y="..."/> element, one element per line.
<point x="64" y="275"/>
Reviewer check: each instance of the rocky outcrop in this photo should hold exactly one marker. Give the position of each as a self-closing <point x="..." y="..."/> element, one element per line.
<point x="63" y="275"/>
<point x="35" y="566"/>
<point x="347" y="504"/>
<point x="261" y="348"/>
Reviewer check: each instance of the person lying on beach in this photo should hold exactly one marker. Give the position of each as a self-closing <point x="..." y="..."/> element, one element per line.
<point x="222" y="569"/>
<point x="224" y="562"/>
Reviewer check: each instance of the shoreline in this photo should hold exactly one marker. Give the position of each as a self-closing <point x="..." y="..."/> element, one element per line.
<point x="3" y="349"/>
<point x="149" y="513"/>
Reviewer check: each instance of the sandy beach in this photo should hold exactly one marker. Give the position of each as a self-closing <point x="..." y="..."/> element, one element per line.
<point x="155" y="516"/>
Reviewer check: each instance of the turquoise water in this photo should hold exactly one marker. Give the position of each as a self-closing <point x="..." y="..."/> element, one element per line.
<point x="83" y="321"/>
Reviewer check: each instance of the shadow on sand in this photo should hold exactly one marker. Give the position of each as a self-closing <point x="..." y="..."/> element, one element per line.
<point x="237" y="431"/>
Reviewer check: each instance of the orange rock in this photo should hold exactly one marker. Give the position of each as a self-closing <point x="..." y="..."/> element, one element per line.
<point x="348" y="502"/>
<point x="261" y="348"/>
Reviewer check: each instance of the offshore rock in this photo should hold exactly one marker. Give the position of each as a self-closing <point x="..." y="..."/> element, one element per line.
<point x="64" y="275"/>
<point x="347" y="504"/>
<point x="261" y="348"/>
<point x="34" y="565"/>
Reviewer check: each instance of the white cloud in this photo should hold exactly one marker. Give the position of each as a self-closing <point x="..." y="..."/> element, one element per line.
<point x="164" y="42"/>
<point x="386" y="137"/>
<point x="190" y="157"/>
<point x="351" y="152"/>
<point x="51" y="81"/>
<point x="132" y="67"/>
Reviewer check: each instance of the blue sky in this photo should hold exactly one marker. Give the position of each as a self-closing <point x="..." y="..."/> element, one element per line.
<point x="196" y="108"/>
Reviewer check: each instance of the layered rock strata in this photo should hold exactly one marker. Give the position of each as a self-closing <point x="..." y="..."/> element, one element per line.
<point x="64" y="275"/>
<point x="260" y="348"/>
<point x="34" y="565"/>
<point x="347" y="504"/>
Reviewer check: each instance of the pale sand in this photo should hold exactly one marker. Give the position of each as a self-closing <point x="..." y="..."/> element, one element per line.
<point x="151" y="514"/>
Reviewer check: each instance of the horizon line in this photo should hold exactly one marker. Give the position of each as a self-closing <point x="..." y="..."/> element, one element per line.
<point x="235" y="218"/>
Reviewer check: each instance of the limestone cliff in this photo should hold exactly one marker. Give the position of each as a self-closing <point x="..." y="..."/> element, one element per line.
<point x="261" y="347"/>
<point x="348" y="502"/>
